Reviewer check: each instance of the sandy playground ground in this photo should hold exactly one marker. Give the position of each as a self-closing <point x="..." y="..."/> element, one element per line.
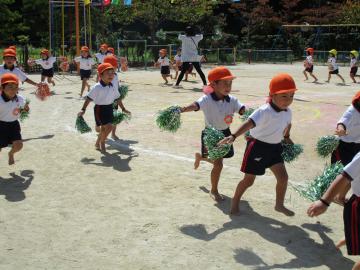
<point x="64" y="205"/>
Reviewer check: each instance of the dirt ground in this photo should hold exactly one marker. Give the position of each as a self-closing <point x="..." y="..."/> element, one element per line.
<point x="64" y="205"/>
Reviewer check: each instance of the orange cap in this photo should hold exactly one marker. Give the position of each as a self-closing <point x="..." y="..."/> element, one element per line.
<point x="9" y="78"/>
<point x="84" y="49"/>
<point x="45" y="51"/>
<point x="310" y="50"/>
<point x="9" y="52"/>
<point x="111" y="59"/>
<point x="13" y="47"/>
<point x="111" y="49"/>
<point x="104" y="46"/>
<point x="163" y="51"/>
<point x="282" y="83"/>
<point x="220" y="73"/>
<point x="105" y="66"/>
<point x="356" y="98"/>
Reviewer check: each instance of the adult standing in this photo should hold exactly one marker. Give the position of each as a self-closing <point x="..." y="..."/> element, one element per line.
<point x="189" y="53"/>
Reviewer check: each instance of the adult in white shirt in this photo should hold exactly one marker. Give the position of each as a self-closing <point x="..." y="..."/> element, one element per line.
<point x="189" y="53"/>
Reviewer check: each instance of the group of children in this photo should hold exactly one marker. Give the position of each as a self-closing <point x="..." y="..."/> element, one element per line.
<point x="332" y="65"/>
<point x="268" y="126"/>
<point x="165" y="65"/>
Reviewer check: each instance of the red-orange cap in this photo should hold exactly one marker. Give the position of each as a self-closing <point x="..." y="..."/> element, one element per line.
<point x="9" y="52"/>
<point x="9" y="78"/>
<point x="105" y="66"/>
<point x="282" y="83"/>
<point x="111" y="59"/>
<point x="111" y="49"/>
<point x="84" y="49"/>
<point x="220" y="73"/>
<point x="356" y="98"/>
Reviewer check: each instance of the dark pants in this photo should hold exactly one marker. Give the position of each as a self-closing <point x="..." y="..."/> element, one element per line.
<point x="185" y="67"/>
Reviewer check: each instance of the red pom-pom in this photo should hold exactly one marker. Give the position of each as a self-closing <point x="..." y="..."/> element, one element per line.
<point x="43" y="91"/>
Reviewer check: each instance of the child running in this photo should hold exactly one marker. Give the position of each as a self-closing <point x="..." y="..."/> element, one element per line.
<point x="9" y="57"/>
<point x="333" y="66"/>
<point x="111" y="59"/>
<point x="218" y="108"/>
<point x="164" y="64"/>
<point x="11" y="105"/>
<point x="353" y="65"/>
<point x="103" y="95"/>
<point x="351" y="212"/>
<point x="309" y="64"/>
<point x="46" y="62"/>
<point x="86" y="63"/>
<point x="268" y="125"/>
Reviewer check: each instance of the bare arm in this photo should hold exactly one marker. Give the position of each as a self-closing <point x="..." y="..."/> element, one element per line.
<point x="83" y="109"/>
<point x="31" y="82"/>
<point x="248" y="124"/>
<point x="192" y="107"/>
<point x="122" y="107"/>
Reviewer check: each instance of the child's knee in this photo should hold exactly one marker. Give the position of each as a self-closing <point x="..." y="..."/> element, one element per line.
<point x="218" y="164"/>
<point x="248" y="180"/>
<point x="17" y="145"/>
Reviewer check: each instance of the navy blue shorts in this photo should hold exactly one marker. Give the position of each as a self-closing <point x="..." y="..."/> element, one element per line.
<point x="85" y="74"/>
<point x="9" y="132"/>
<point x="336" y="71"/>
<point x="48" y="72"/>
<point x="165" y="70"/>
<point x="345" y="152"/>
<point x="204" y="151"/>
<point x="260" y="155"/>
<point x="103" y="114"/>
<point x="309" y="69"/>
<point x="354" y="70"/>
<point x="351" y="216"/>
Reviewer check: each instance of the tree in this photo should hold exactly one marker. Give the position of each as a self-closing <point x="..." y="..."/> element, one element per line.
<point x="10" y="21"/>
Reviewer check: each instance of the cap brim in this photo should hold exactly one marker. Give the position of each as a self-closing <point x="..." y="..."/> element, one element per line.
<point x="107" y="69"/>
<point x="285" y="91"/>
<point x="16" y="82"/>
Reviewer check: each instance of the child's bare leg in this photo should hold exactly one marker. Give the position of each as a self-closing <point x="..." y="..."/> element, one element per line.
<point x="312" y="75"/>
<point x="356" y="266"/>
<point x="176" y="74"/>
<point x="83" y="83"/>
<point x="113" y="133"/>
<point x="105" y="131"/>
<point x="16" y="147"/>
<point x="341" y="78"/>
<point x="329" y="77"/>
<point x="50" y="80"/>
<point x="215" y="177"/>
<point x="164" y="77"/>
<point x="42" y="78"/>
<point x="306" y="76"/>
<point x="352" y="77"/>
<point x="341" y="243"/>
<point x="97" y="144"/>
<point x="243" y="185"/>
<point x="199" y="158"/>
<point x="281" y="175"/>
<point x="186" y="76"/>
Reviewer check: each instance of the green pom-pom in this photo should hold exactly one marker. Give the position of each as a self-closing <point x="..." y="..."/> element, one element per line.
<point x="23" y="113"/>
<point x="81" y="125"/>
<point x="314" y="190"/>
<point x="211" y="138"/>
<point x="123" y="90"/>
<point x="119" y="117"/>
<point x="326" y="145"/>
<point x="169" y="119"/>
<point x="247" y="113"/>
<point x="291" y="151"/>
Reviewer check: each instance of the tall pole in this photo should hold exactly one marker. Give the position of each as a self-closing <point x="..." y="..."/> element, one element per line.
<point x="50" y="15"/>
<point x="90" y="39"/>
<point x="85" y="28"/>
<point x="77" y="27"/>
<point x="63" y="28"/>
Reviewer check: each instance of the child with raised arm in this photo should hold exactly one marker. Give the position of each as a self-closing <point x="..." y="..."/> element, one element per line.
<point x="218" y="108"/>
<point x="268" y="125"/>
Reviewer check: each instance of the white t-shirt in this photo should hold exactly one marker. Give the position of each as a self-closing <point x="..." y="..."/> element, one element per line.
<point x="10" y="110"/>
<point x="219" y="113"/>
<point x="351" y="120"/>
<point x="164" y="61"/>
<point x="102" y="94"/>
<point x="47" y="63"/>
<point x="115" y="81"/>
<point x="309" y="60"/>
<point x="21" y="75"/>
<point x="100" y="57"/>
<point x="177" y="58"/>
<point x="189" y="48"/>
<point x="352" y="172"/>
<point x="270" y="124"/>
<point x="353" y="62"/>
<point x="85" y="63"/>
<point x="332" y="62"/>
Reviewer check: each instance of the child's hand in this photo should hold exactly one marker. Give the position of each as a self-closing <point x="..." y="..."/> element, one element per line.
<point x="288" y="141"/>
<point x="126" y="111"/>
<point x="227" y="140"/>
<point x="81" y="113"/>
<point x="26" y="107"/>
<point x="316" y="208"/>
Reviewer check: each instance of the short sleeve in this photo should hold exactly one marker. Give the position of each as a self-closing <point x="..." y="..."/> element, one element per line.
<point x="38" y="61"/>
<point x="22" y="76"/>
<point x="202" y="102"/>
<point x="92" y="62"/>
<point x="116" y="93"/>
<point x="238" y="106"/>
<point x="92" y="94"/>
<point x="258" y="117"/>
<point x="352" y="170"/>
<point x="21" y="101"/>
<point x="181" y="37"/>
<point x="53" y="59"/>
<point x="77" y="59"/>
<point x="199" y="37"/>
<point x="346" y="118"/>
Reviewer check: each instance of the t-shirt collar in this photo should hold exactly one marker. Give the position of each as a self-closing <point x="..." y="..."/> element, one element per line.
<point x="215" y="97"/>
<point x="276" y="108"/>
<point x="11" y="69"/>
<point x="104" y="84"/>
<point x="6" y="99"/>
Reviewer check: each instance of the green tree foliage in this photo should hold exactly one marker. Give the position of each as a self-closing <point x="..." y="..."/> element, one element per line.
<point x="10" y="21"/>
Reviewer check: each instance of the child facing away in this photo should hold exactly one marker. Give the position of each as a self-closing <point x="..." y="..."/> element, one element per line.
<point x="269" y="125"/>
<point x="111" y="59"/>
<point x="47" y="64"/>
<point x="333" y="66"/>
<point x="103" y="94"/>
<point x="164" y="64"/>
<point x="9" y="56"/>
<point x="11" y="105"/>
<point x="351" y="212"/>
<point x="309" y="64"/>
<point x="86" y="63"/>
<point x="218" y="108"/>
<point x="349" y="132"/>
<point x="353" y="65"/>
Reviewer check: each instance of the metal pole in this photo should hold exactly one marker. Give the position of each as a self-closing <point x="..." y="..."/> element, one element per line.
<point x="90" y="39"/>
<point x="50" y="36"/>
<point x="145" y="54"/>
<point x="63" y="28"/>
<point x="85" y="28"/>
